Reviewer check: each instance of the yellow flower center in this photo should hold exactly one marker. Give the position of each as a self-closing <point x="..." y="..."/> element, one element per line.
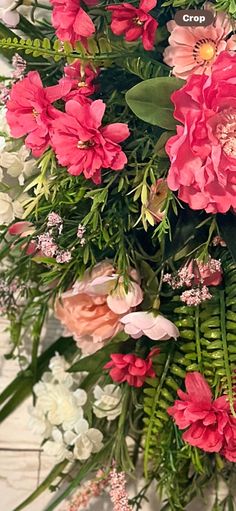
<point x="138" y="22"/>
<point x="35" y="113"/>
<point x="84" y="145"/>
<point x="207" y="51"/>
<point x="204" y="51"/>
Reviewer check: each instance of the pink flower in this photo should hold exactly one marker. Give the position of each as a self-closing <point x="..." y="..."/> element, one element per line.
<point x="79" y="77"/>
<point x="24" y="229"/>
<point x="195" y="49"/>
<point x="92" y="309"/>
<point x="156" y="328"/>
<point x="135" y="23"/>
<point x="85" y="146"/>
<point x="131" y="368"/>
<point x="203" y="153"/>
<point x="71" y="22"/>
<point x="210" y="425"/>
<point x="30" y="111"/>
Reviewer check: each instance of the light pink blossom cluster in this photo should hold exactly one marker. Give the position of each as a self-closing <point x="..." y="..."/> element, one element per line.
<point x="196" y="275"/>
<point x="80" y="234"/>
<point x="91" y="489"/>
<point x="19" y="65"/>
<point x="49" y="248"/>
<point x="118" y="493"/>
<point x="55" y="220"/>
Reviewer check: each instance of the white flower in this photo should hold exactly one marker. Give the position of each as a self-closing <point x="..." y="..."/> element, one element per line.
<point x="61" y="405"/>
<point x="7" y="208"/>
<point x="57" y="447"/>
<point x="58" y="367"/>
<point x="108" y="402"/>
<point x="85" y="440"/>
<point x="8" y="14"/>
<point x="4" y="127"/>
<point x="17" y="163"/>
<point x="38" y="422"/>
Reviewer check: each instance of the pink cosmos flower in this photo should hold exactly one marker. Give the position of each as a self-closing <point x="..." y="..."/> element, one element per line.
<point x="92" y="309"/>
<point x="79" y="78"/>
<point x="203" y="153"/>
<point x="156" y="328"/>
<point x="85" y="146"/>
<point x="131" y="368"/>
<point x="210" y="425"/>
<point x="195" y="49"/>
<point x="135" y="23"/>
<point x="71" y="22"/>
<point x="30" y="111"/>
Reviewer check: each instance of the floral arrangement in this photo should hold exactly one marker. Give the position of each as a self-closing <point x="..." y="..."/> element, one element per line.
<point x="117" y="213"/>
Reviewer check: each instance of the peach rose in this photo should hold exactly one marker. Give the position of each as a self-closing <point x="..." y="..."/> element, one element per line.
<point x="92" y="309"/>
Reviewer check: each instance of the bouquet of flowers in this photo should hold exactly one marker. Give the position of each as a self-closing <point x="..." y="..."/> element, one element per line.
<point x="117" y="213"/>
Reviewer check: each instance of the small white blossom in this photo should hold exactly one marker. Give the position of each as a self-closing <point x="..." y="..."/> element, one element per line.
<point x="38" y="422"/>
<point x="9" y="208"/>
<point x="85" y="440"/>
<point x="58" y="367"/>
<point x="8" y="13"/>
<point x="57" y="447"/>
<point x="61" y="405"/>
<point x="18" y="164"/>
<point x="108" y="401"/>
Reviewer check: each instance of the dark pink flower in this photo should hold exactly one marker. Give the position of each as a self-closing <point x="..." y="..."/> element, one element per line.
<point x="85" y="146"/>
<point x="71" y="22"/>
<point x="203" y="153"/>
<point x="131" y="368"/>
<point x="210" y="425"/>
<point x="135" y="23"/>
<point x="30" y="111"/>
<point x="79" y="79"/>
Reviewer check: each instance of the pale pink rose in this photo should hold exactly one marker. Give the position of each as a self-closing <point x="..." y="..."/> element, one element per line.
<point x="156" y="328"/>
<point x="92" y="309"/>
<point x="195" y="49"/>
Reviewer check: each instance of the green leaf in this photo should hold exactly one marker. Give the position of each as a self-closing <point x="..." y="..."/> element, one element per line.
<point x="150" y="101"/>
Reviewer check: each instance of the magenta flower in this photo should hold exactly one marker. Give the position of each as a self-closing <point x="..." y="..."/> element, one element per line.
<point x="203" y="153"/>
<point x="131" y="368"/>
<point x="30" y="111"/>
<point x="71" y="22"/>
<point x="156" y="328"/>
<point x="135" y="23"/>
<point x="210" y="425"/>
<point x="79" y="79"/>
<point x="85" y="146"/>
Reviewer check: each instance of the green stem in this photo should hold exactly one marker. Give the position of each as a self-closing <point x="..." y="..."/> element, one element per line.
<point x="226" y="354"/>
<point x="197" y="339"/>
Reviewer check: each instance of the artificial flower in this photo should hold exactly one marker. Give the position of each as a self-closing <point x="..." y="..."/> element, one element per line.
<point x="92" y="309"/>
<point x="24" y="229"/>
<point x="85" y="440"/>
<point x="71" y="22"/>
<point x="208" y="273"/>
<point x="131" y="368"/>
<point x="60" y="404"/>
<point x="209" y="423"/>
<point x="30" y="111"/>
<point x="157" y="199"/>
<point x="8" y="13"/>
<point x="195" y="49"/>
<point x="203" y="153"/>
<point x="157" y="328"/>
<point x="17" y="164"/>
<point x="134" y="22"/>
<point x="108" y="401"/>
<point x="85" y="146"/>
<point x="9" y="208"/>
<point x="80" y="78"/>
<point x="57" y="447"/>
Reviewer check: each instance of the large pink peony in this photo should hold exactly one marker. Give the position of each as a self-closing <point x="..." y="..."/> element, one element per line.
<point x="30" y="111"/>
<point x="85" y="146"/>
<point x="71" y="22"/>
<point x="92" y="309"/>
<point x="210" y="425"/>
<point x="203" y="153"/>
